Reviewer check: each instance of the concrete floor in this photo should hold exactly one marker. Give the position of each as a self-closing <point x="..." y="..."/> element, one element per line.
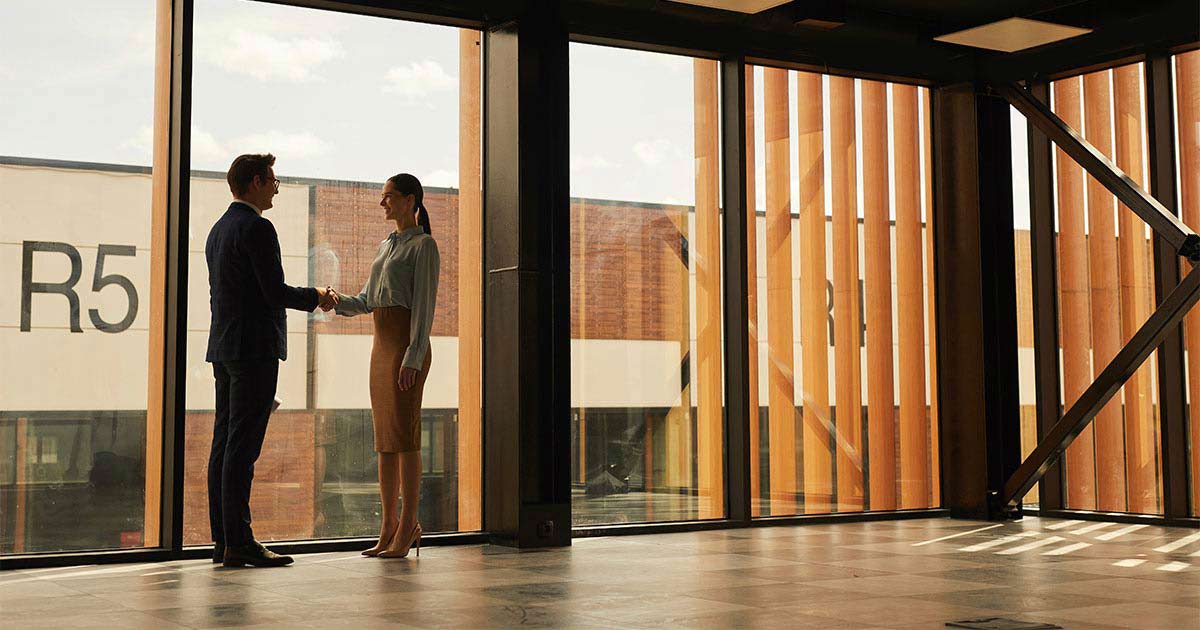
<point x="898" y="574"/>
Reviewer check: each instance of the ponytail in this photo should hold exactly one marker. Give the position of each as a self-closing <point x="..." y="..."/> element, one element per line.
<point x="423" y="217"/>
<point x="406" y="184"/>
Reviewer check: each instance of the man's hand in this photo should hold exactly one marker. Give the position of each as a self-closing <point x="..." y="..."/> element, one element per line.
<point x="327" y="298"/>
<point x="408" y="376"/>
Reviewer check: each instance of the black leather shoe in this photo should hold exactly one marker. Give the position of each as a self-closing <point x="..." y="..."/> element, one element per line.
<point x="254" y="555"/>
<point x="218" y="553"/>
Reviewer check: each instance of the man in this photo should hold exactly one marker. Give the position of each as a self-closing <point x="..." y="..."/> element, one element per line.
<point x="246" y="342"/>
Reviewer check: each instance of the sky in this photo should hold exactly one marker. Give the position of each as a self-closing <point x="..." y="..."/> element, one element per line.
<point x="333" y="96"/>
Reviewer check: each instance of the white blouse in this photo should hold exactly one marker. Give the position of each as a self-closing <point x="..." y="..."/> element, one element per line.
<point x="405" y="273"/>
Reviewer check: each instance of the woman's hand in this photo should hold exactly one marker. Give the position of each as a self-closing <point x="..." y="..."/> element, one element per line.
<point x="408" y="376"/>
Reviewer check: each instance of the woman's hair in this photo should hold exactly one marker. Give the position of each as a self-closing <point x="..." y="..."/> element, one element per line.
<point x="406" y="184"/>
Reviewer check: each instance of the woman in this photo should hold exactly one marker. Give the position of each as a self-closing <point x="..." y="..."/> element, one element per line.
<point x="400" y="294"/>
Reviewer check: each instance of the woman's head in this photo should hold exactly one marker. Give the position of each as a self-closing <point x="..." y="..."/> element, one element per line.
<point x="403" y="199"/>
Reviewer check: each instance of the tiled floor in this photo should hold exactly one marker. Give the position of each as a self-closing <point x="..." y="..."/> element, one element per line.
<point x="898" y="574"/>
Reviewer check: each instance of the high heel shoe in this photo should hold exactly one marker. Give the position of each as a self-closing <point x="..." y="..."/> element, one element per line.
<point x="381" y="546"/>
<point x="414" y="540"/>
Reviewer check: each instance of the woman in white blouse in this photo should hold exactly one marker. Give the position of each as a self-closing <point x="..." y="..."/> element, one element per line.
<point x="400" y="294"/>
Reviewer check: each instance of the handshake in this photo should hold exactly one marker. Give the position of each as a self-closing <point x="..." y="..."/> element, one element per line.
<point x="327" y="299"/>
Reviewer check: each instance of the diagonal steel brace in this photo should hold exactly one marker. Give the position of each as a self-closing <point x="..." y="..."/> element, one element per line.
<point x="1162" y="221"/>
<point x="1160" y="323"/>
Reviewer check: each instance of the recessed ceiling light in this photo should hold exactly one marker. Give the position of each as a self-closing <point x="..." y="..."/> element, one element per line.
<point x="1013" y="34"/>
<point x="741" y="6"/>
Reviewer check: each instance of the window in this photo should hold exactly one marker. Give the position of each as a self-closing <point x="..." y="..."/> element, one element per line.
<point x="841" y="378"/>
<point x="1105" y="292"/>
<point x="77" y="240"/>
<point x="1187" y="126"/>
<point x="646" y="351"/>
<point x="344" y="102"/>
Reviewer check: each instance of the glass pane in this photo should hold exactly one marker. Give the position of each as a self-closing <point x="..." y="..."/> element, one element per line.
<point x="77" y="245"/>
<point x="1105" y="284"/>
<point x="1187" y="129"/>
<point x="1023" y="257"/>
<point x="343" y="102"/>
<point x="841" y="340"/>
<point x="647" y="378"/>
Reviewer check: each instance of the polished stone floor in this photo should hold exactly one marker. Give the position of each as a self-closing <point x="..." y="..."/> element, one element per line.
<point x="897" y="574"/>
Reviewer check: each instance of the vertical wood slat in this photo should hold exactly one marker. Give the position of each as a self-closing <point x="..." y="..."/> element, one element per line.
<point x="678" y="429"/>
<point x="781" y="400"/>
<point x="814" y="338"/>
<point x="470" y="284"/>
<point x="1141" y="472"/>
<point x="1103" y="274"/>
<point x="1187" y="82"/>
<point x="160" y="190"/>
<point x="707" y="261"/>
<point x="21" y="484"/>
<point x="881" y="395"/>
<point x="1075" y="326"/>
<point x="935" y="472"/>
<point x="848" y="326"/>
<point x="914" y="428"/>
<point x="752" y="299"/>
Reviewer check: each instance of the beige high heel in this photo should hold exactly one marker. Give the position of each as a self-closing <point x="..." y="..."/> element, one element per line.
<point x="372" y="552"/>
<point x="413" y="541"/>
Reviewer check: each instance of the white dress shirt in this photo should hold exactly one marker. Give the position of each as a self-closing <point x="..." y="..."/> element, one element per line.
<point x="405" y="273"/>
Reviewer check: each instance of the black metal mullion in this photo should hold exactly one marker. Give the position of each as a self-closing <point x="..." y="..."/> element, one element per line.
<point x="1172" y="388"/>
<point x="175" y="313"/>
<point x="736" y="309"/>
<point x="1044" y="262"/>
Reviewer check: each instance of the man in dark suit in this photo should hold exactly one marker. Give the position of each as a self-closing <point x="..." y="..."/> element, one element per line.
<point x="246" y="342"/>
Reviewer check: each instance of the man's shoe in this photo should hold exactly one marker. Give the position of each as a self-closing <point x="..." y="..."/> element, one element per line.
<point x="254" y="555"/>
<point x="218" y="553"/>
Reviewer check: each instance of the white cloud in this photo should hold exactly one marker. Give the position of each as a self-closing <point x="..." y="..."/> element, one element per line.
<point x="440" y="178"/>
<point x="287" y="146"/>
<point x="265" y="57"/>
<point x="596" y="162"/>
<point x="654" y="152"/>
<point x="141" y="145"/>
<point x="419" y="79"/>
<point x="207" y="150"/>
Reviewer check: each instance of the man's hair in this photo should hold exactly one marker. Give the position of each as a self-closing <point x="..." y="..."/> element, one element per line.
<point x="245" y="167"/>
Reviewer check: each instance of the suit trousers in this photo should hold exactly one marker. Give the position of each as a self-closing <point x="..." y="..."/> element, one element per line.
<point x="245" y="392"/>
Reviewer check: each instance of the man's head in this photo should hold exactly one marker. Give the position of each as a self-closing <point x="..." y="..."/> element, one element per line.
<point x="251" y="178"/>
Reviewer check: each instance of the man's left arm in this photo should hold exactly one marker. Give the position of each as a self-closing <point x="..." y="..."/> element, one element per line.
<point x="267" y="263"/>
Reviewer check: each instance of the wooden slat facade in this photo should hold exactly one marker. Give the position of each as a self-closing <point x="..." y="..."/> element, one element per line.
<point x="752" y="300"/>
<point x="470" y="283"/>
<point x="1073" y="298"/>
<point x="877" y="237"/>
<point x="707" y="261"/>
<point x="846" y="313"/>
<point x="781" y="400"/>
<point x="818" y="423"/>
<point x="1103" y="274"/>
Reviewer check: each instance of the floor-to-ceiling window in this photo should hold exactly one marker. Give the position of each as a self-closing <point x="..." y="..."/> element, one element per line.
<point x="1105" y="292"/>
<point x="842" y="385"/>
<point x="343" y="102"/>
<point x="1187" y="139"/>
<point x="1023" y="263"/>
<point x="78" y="453"/>
<point x="646" y="349"/>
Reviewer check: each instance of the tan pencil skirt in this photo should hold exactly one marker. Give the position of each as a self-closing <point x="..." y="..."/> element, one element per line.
<point x="397" y="414"/>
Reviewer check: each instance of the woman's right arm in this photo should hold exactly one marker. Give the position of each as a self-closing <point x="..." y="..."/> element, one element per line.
<point x="351" y="305"/>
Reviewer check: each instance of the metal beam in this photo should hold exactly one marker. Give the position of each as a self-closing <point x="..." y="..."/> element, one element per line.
<point x="737" y="335"/>
<point x="1164" y="223"/>
<point x="1164" y="320"/>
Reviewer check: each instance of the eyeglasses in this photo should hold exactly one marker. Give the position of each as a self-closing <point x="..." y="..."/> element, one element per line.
<point x="276" y="183"/>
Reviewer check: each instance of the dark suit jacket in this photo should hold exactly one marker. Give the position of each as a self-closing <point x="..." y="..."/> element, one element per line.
<point x="246" y="289"/>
